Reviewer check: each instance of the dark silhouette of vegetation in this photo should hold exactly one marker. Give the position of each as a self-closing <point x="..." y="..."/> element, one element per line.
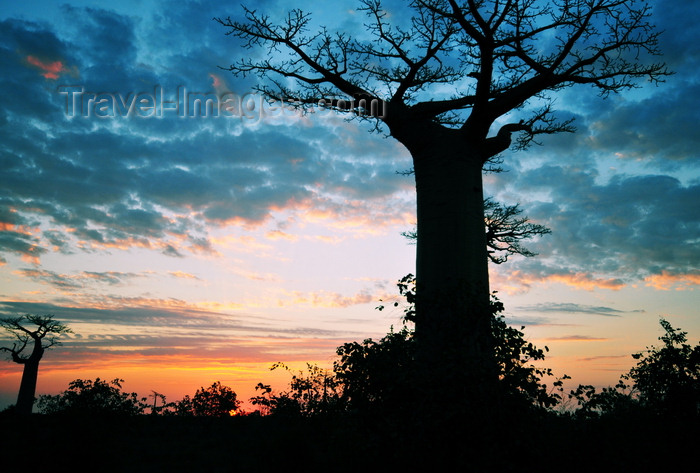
<point x="93" y="398"/>
<point x="365" y="414"/>
<point x="379" y="373"/>
<point x="505" y="60"/>
<point x="505" y="229"/>
<point x="377" y="377"/>
<point x="164" y="406"/>
<point x="215" y="401"/>
<point x="311" y="393"/>
<point x="665" y="381"/>
<point x="35" y="334"/>
<point x="372" y="392"/>
<point x="668" y="378"/>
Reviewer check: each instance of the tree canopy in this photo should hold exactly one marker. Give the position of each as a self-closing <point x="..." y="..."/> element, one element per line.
<point x="497" y="55"/>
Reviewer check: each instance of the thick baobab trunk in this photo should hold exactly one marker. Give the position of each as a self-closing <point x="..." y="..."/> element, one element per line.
<point x="27" y="387"/>
<point x="453" y="320"/>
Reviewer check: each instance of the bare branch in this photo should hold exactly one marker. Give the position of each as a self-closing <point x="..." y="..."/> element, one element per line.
<point x="45" y="335"/>
<point x="498" y="55"/>
<point x="505" y="230"/>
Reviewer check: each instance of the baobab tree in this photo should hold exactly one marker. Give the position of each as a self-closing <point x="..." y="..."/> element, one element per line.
<point x="39" y="333"/>
<point x="505" y="229"/>
<point x="502" y="60"/>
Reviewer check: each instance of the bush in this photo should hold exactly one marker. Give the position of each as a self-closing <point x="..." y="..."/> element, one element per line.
<point x="87" y="397"/>
<point x="215" y="401"/>
<point x="668" y="378"/>
<point x="381" y="375"/>
<point x="377" y="374"/>
<point x="311" y="393"/>
<point x="665" y="381"/>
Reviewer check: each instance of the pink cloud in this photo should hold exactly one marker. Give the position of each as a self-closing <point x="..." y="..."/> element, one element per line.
<point x="519" y="281"/>
<point x="51" y="69"/>
<point x="666" y="281"/>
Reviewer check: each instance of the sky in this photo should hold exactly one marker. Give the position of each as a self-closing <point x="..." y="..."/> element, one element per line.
<point x="184" y="249"/>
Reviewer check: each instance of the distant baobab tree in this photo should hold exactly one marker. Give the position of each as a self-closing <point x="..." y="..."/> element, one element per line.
<point x="35" y="334"/>
<point x="452" y="83"/>
<point x="505" y="229"/>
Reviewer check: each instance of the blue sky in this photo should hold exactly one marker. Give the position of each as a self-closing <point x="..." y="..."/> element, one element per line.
<point x="183" y="250"/>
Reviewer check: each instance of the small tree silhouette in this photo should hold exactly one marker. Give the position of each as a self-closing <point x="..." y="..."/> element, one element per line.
<point x="87" y="397"/>
<point x="666" y="380"/>
<point x="43" y="337"/>
<point x="314" y="392"/>
<point x="215" y="401"/>
<point x="378" y="373"/>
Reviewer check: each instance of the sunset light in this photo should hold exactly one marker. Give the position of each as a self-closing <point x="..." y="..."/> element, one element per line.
<point x="51" y="69"/>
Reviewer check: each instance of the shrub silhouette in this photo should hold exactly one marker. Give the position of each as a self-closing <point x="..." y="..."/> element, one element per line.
<point x="87" y="397"/>
<point x="314" y="392"/>
<point x="217" y="400"/>
<point x="373" y="376"/>
<point x="381" y="373"/>
<point x="665" y="381"/>
<point x="668" y="378"/>
<point x="377" y="374"/>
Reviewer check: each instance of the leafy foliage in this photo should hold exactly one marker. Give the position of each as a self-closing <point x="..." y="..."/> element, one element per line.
<point x="87" y="397"/>
<point x="377" y="371"/>
<point x="668" y="378"/>
<point x="620" y="399"/>
<point x="217" y="400"/>
<point x="377" y="374"/>
<point x="314" y="392"/>
<point x="380" y="375"/>
<point x="518" y="375"/>
<point x="666" y="381"/>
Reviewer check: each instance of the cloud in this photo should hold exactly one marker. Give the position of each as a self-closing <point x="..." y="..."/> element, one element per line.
<point x="633" y="131"/>
<point x="520" y="280"/>
<point x="256" y="276"/>
<point x="73" y="282"/>
<point x="137" y="320"/>
<point x="679" y="282"/>
<point x="183" y="275"/>
<point x="603" y="357"/>
<point x="569" y="307"/>
<point x="59" y="281"/>
<point x="280" y="235"/>
<point x="162" y="184"/>
<point x="606" y="234"/>
<point x="73" y="185"/>
<point x="51" y="70"/>
<point x="576" y="338"/>
<point x="621" y="195"/>
<point x="113" y="278"/>
<point x="330" y="299"/>
<point x="155" y="333"/>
